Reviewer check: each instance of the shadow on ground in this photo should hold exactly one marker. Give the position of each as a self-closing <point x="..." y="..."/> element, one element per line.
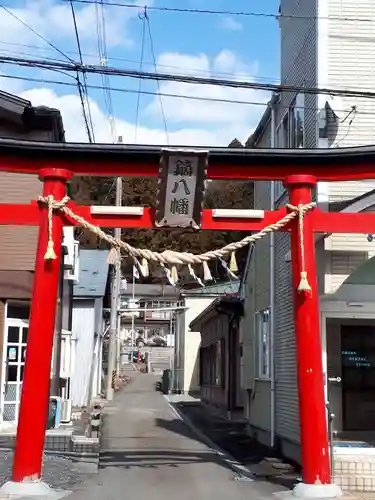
<point x="232" y="438"/>
<point x="153" y="459"/>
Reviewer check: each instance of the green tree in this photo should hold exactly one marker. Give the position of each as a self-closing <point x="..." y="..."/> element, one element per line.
<point x="143" y="191"/>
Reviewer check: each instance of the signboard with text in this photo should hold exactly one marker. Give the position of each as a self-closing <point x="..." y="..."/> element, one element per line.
<point x="181" y="189"/>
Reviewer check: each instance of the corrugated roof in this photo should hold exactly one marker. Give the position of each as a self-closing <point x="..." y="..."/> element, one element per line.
<point x="218" y="289"/>
<point x="93" y="273"/>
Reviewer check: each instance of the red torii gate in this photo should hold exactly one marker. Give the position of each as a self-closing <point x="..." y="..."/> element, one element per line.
<point x="299" y="169"/>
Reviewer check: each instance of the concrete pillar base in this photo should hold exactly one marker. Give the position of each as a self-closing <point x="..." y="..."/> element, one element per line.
<point x="37" y="489"/>
<point x="317" y="491"/>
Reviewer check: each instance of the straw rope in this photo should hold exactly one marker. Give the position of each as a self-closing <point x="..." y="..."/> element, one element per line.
<point x="171" y="257"/>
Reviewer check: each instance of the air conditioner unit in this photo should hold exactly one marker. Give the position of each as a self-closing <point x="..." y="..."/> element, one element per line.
<point x="68" y="244"/>
<point x="71" y="262"/>
<point x="54" y="413"/>
<point x="66" y="411"/>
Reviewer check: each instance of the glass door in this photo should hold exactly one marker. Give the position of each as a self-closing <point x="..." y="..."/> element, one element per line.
<point x="14" y="359"/>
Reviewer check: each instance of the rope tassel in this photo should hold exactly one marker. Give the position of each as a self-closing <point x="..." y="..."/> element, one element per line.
<point x="174" y="274"/>
<point x="145" y="268"/>
<point x="304" y="285"/>
<point x="207" y="276"/>
<point x="50" y="252"/>
<point x="173" y="258"/>
<point x="112" y="256"/>
<point x="233" y="263"/>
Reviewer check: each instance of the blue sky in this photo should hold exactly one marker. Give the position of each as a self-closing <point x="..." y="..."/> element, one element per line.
<point x="230" y="47"/>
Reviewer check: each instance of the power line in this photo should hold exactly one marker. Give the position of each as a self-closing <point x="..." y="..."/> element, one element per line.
<point x="143" y="18"/>
<point x="30" y="28"/>
<point x="224" y="12"/>
<point x="157" y="81"/>
<point x="132" y="61"/>
<point x="238" y="84"/>
<point x="176" y="96"/>
<point x="83" y="94"/>
<point x="103" y="57"/>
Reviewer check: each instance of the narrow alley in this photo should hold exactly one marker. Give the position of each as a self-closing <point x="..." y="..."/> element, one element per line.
<point x="148" y="452"/>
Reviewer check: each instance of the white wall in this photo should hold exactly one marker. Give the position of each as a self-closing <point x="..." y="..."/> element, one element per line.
<point x="192" y="340"/>
<point x="83" y="330"/>
<point x="191" y="356"/>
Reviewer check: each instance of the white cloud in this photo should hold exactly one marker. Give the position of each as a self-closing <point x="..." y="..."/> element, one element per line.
<point x="189" y="122"/>
<point x="71" y="111"/>
<point x="54" y="21"/>
<point x="230" y="24"/>
<point x="225" y="66"/>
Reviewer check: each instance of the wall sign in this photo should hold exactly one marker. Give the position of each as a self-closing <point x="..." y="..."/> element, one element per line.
<point x="181" y="192"/>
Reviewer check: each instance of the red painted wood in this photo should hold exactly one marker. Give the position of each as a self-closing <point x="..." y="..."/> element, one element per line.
<point x="33" y="412"/>
<point x="323" y="222"/>
<point x="36" y="382"/>
<point x="251" y="169"/>
<point x="29" y="165"/>
<point x="268" y="170"/>
<point x="313" y="423"/>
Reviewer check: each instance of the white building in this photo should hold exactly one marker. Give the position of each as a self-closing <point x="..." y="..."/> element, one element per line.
<point x="88" y="327"/>
<point x="185" y="373"/>
<point x="325" y="44"/>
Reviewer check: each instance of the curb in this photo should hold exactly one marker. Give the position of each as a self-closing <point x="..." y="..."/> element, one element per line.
<point x="241" y="470"/>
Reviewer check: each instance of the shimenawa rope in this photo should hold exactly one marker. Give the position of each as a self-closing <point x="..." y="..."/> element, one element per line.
<point x="170" y="257"/>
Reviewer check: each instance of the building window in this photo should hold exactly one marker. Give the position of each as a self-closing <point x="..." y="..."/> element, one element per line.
<point x="297" y="123"/>
<point x="222" y="364"/>
<point x="291" y="133"/>
<point x="18" y="310"/>
<point x="263" y="340"/>
<point x="212" y="364"/>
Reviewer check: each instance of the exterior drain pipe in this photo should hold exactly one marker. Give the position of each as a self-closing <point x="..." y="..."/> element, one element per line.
<point x="272" y="290"/>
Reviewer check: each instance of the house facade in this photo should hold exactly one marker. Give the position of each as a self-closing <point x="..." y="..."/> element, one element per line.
<point x="88" y="327"/>
<point x="320" y="47"/>
<point x="220" y="354"/>
<point x="156" y="316"/>
<point x="19" y="119"/>
<point x="187" y="372"/>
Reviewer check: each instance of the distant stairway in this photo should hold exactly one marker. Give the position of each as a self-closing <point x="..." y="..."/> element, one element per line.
<point x="160" y="358"/>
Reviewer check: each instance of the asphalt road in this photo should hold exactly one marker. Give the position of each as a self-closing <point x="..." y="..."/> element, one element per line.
<point x="149" y="453"/>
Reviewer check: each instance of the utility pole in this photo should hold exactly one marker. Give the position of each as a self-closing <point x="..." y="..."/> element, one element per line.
<point x="115" y="289"/>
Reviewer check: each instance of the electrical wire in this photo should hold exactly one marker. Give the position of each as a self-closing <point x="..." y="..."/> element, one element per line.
<point x="177" y="96"/>
<point x="224" y="12"/>
<point x="238" y="84"/>
<point x="103" y="57"/>
<point x="82" y="89"/>
<point x="30" y="28"/>
<point x="143" y="19"/>
<point x="157" y="81"/>
<point x="132" y="61"/>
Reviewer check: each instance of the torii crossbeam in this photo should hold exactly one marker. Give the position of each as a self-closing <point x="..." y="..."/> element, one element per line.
<point x="300" y="170"/>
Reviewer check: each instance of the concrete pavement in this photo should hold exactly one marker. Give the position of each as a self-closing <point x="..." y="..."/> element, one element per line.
<point x="149" y="453"/>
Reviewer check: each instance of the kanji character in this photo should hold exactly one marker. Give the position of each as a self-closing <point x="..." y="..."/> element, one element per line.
<point x="176" y="184"/>
<point x="183" y="168"/>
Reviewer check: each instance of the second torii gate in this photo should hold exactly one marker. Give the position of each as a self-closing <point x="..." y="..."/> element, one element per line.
<point x="300" y="170"/>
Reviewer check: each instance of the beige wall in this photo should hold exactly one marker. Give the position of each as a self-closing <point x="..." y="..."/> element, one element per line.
<point x="191" y="354"/>
<point x="18" y="244"/>
<point x="195" y="305"/>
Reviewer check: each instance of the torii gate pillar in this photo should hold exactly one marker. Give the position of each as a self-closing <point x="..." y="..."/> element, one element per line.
<point x="27" y="465"/>
<point x="313" y="421"/>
